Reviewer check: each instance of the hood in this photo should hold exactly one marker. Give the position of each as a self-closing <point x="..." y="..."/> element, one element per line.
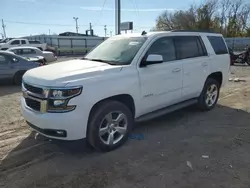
<point x="61" y="73"/>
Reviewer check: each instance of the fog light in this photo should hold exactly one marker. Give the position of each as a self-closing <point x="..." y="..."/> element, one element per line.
<point x="58" y="102"/>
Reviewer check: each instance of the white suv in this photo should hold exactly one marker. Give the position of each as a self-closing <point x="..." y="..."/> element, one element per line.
<point x="127" y="78"/>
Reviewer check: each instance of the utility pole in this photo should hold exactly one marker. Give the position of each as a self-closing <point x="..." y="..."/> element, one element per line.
<point x="90" y="26"/>
<point x="4" y="26"/>
<point x="76" y="18"/>
<point x="105" y="30"/>
<point x="118" y="17"/>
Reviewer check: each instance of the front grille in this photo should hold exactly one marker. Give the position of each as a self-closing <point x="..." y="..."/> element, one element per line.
<point x="33" y="89"/>
<point x="33" y="104"/>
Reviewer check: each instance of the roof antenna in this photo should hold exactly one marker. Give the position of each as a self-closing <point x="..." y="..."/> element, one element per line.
<point x="144" y="33"/>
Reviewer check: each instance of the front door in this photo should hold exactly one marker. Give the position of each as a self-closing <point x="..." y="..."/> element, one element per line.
<point x="161" y="84"/>
<point x="15" y="43"/>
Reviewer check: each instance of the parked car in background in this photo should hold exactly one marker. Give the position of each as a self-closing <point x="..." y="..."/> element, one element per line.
<point x="13" y="67"/>
<point x="24" y="51"/>
<point x="21" y="42"/>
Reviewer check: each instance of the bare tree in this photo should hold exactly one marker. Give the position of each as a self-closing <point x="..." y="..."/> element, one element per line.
<point x="230" y="17"/>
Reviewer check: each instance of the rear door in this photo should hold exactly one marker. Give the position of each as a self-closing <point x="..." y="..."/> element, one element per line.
<point x="28" y="52"/>
<point x="5" y="67"/>
<point x="24" y="43"/>
<point x="192" y="53"/>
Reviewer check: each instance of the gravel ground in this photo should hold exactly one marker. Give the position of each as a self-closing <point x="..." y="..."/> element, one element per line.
<point x="187" y="149"/>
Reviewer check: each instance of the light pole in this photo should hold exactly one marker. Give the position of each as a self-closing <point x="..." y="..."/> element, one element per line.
<point x="105" y="30"/>
<point x="118" y="17"/>
<point x="76" y="18"/>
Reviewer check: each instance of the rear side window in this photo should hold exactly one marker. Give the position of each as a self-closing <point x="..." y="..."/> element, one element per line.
<point x="34" y="42"/>
<point x="29" y="51"/>
<point x="218" y="45"/>
<point x="189" y="47"/>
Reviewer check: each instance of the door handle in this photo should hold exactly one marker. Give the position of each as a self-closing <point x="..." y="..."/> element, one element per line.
<point x="204" y="64"/>
<point x="176" y="70"/>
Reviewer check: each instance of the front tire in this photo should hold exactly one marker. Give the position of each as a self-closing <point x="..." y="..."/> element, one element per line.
<point x="210" y="94"/>
<point x="109" y="126"/>
<point x="18" y="78"/>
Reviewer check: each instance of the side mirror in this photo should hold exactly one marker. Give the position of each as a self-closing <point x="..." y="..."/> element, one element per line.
<point x="152" y="59"/>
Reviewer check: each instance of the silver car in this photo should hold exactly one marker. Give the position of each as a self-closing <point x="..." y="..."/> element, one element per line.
<point x="12" y="67"/>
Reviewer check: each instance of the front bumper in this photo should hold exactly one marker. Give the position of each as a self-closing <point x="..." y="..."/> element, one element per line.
<point x="73" y="124"/>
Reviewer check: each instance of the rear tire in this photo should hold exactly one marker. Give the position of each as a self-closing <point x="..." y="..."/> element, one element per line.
<point x="109" y="125"/>
<point x="209" y="95"/>
<point x="18" y="78"/>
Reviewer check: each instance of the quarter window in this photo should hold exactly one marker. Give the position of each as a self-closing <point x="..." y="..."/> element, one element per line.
<point x="218" y="45"/>
<point x="165" y="47"/>
<point x="189" y="47"/>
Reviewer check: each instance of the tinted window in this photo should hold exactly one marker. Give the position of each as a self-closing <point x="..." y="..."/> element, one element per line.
<point x="165" y="47"/>
<point x="23" y="41"/>
<point x="189" y="47"/>
<point x="28" y="51"/>
<point x="15" y="42"/>
<point x="34" y="42"/>
<point x="17" y="51"/>
<point x="218" y="45"/>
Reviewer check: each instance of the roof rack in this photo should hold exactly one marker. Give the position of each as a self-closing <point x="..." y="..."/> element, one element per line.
<point x="197" y="31"/>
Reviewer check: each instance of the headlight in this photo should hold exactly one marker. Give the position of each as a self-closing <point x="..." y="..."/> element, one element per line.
<point x="65" y="93"/>
<point x="59" y="98"/>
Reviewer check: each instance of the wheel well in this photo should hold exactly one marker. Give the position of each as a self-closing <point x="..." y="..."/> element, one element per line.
<point x="217" y="76"/>
<point x="125" y="99"/>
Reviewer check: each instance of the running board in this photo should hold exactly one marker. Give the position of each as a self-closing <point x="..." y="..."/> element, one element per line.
<point x="166" y="110"/>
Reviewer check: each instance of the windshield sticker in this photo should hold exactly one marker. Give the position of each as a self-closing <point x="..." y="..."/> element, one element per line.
<point x="133" y="43"/>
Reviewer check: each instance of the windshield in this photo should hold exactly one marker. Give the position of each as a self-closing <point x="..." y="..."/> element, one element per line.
<point x="117" y="51"/>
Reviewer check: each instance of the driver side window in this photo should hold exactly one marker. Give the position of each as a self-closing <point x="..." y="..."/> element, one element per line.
<point x="165" y="47"/>
<point x="15" y="42"/>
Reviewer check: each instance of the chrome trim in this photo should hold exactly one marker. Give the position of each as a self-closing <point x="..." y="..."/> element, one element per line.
<point x="43" y="99"/>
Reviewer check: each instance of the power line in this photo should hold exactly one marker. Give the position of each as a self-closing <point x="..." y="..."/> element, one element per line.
<point x="68" y="25"/>
<point x="98" y="20"/>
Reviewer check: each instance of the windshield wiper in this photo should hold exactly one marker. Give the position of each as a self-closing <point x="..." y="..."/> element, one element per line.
<point x="101" y="60"/>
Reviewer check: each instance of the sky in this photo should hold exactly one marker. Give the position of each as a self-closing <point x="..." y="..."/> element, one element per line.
<point x="32" y="17"/>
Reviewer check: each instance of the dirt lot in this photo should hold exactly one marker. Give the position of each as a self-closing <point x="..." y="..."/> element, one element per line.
<point x="171" y="154"/>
